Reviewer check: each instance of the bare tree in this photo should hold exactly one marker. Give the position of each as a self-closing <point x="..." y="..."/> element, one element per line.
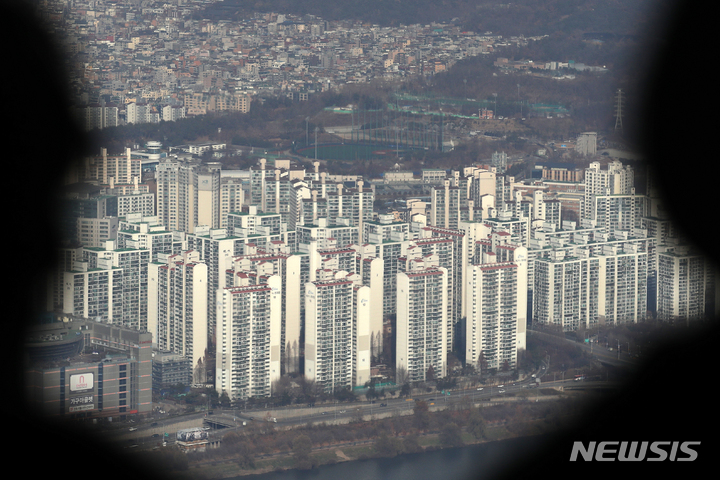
<point x="401" y="375"/>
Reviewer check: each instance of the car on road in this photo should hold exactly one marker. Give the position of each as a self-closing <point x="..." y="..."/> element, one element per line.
<point x="132" y="429"/>
<point x="383" y="404"/>
<point x="501" y="386"/>
<point x="431" y="400"/>
<point x="154" y="424"/>
<point x="155" y="435"/>
<point x="502" y="391"/>
<point x="342" y="411"/>
<point x="480" y="388"/>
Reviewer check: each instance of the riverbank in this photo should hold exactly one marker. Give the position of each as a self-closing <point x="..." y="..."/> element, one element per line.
<point x="519" y="424"/>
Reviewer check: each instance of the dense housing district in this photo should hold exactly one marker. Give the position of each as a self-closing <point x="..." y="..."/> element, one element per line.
<point x="178" y="271"/>
<point x="152" y="61"/>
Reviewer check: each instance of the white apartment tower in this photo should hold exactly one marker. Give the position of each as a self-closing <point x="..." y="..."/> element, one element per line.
<point x="622" y="285"/>
<point x="422" y="322"/>
<point x="260" y="265"/>
<point x="615" y="180"/>
<point x="187" y="195"/>
<point x="329" y="333"/>
<point x="138" y="231"/>
<point x="104" y="169"/>
<point x="586" y="143"/>
<point x="565" y="291"/>
<point x="232" y="197"/>
<point x="248" y="339"/>
<point x="177" y="305"/>
<point x="362" y="311"/>
<point x="94" y="292"/>
<point x="134" y="265"/>
<point x="682" y="284"/>
<point x="496" y="305"/>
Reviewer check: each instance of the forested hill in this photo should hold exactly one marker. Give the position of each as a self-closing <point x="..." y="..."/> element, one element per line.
<point x="521" y="17"/>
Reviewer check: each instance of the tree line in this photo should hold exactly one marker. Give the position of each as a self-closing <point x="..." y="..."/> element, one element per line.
<point x="455" y="426"/>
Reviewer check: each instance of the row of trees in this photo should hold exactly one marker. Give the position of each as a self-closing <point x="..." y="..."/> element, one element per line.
<point x="391" y="436"/>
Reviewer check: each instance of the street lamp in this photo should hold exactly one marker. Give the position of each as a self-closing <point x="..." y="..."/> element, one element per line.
<point x="306" y="130"/>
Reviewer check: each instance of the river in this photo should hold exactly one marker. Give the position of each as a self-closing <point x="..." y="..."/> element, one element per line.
<point x="473" y="462"/>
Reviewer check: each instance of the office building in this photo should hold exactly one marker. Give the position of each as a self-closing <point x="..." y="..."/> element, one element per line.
<point x="170" y="369"/>
<point x="81" y="369"/>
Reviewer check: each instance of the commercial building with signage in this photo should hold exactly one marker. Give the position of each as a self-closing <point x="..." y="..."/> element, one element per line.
<point x="109" y="373"/>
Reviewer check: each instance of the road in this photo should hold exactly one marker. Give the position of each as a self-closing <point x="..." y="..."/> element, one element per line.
<point x="338" y="413"/>
<point x="615" y="358"/>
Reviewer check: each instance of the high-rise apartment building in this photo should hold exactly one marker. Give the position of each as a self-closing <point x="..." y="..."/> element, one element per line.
<point x="257" y="265"/>
<point x="618" y="212"/>
<point x="329" y="333"/>
<point x="216" y="249"/>
<point x="247" y="360"/>
<point x="615" y="180"/>
<point x="682" y="284"/>
<point x="232" y="197"/>
<point x="120" y="169"/>
<point x="94" y="232"/>
<point x="422" y="323"/>
<point x="565" y="291"/>
<point x="586" y="143"/>
<point x="137" y="231"/>
<point x="496" y="305"/>
<point x="584" y="287"/>
<point x="141" y="113"/>
<point x="100" y="116"/>
<point x="188" y="194"/>
<point x="94" y="292"/>
<point x="445" y="204"/>
<point x="134" y="266"/>
<point x="177" y="305"/>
